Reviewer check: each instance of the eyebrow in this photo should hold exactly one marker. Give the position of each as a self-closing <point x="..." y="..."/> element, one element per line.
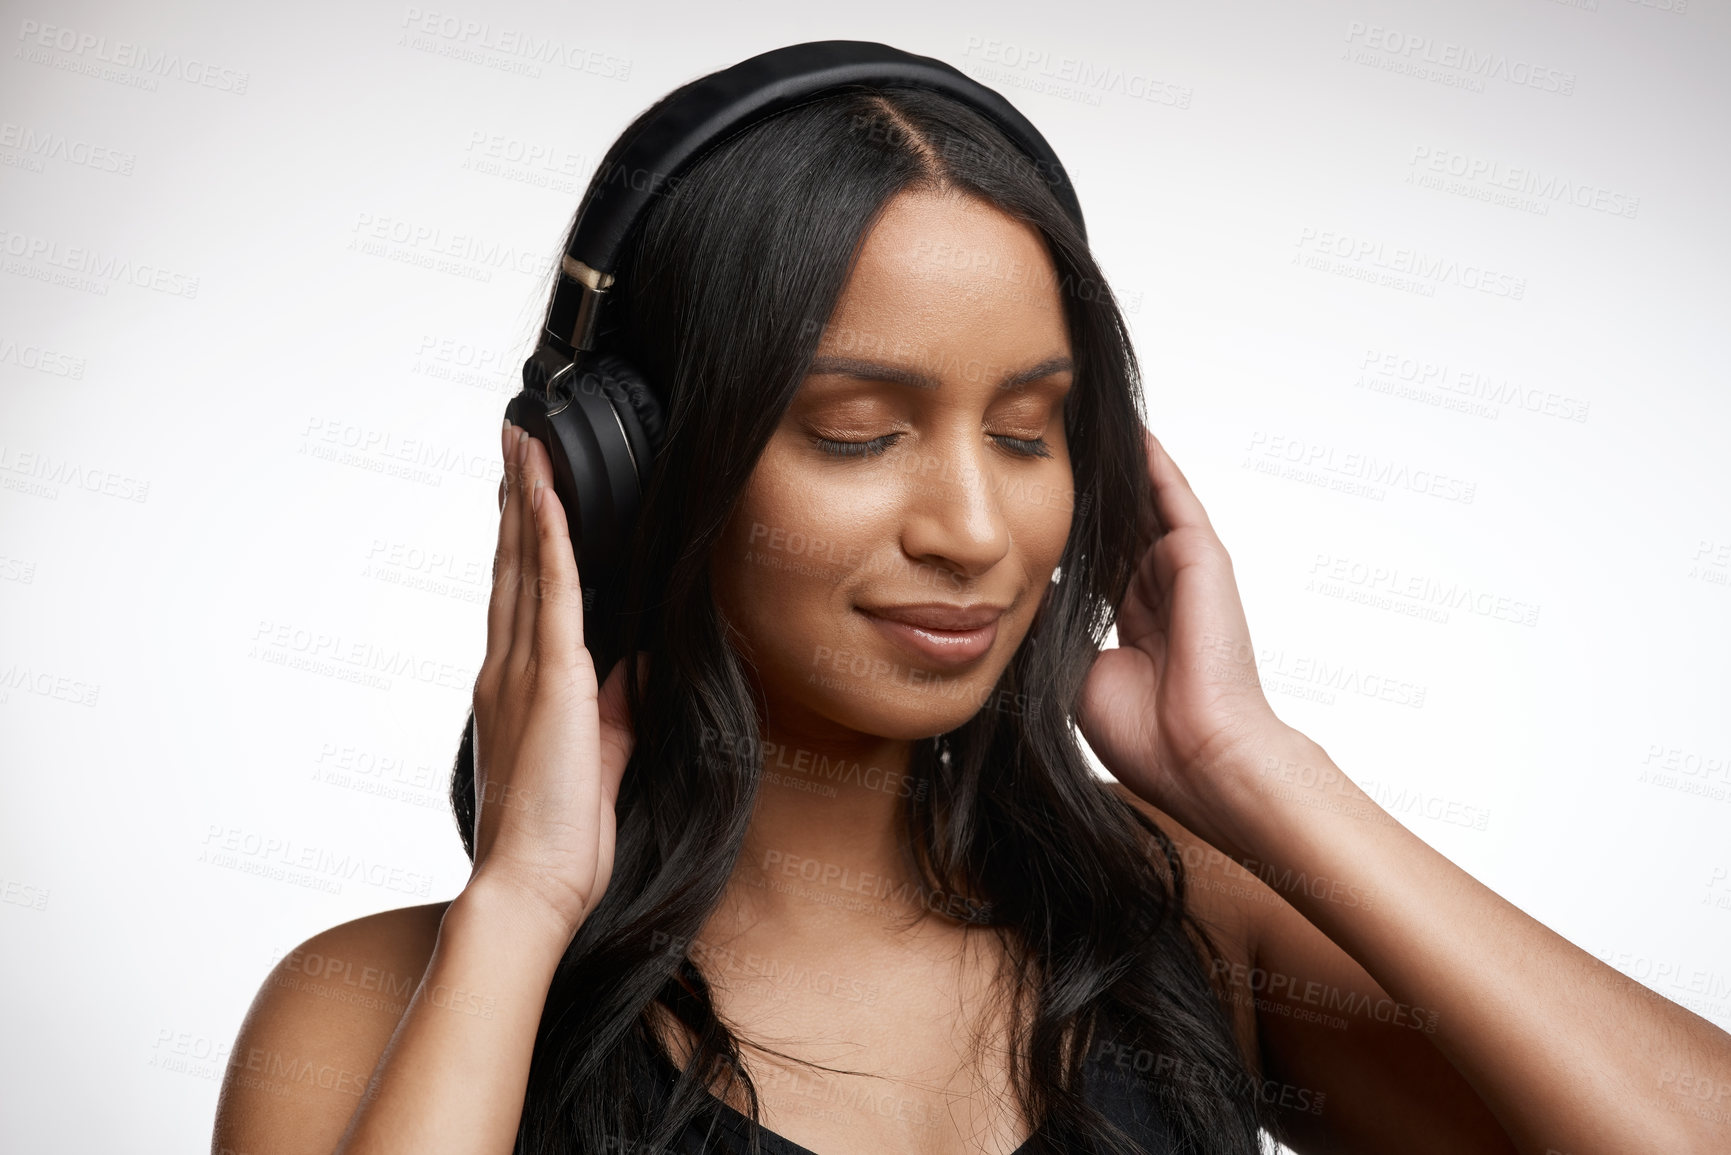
<point x="868" y="370"/>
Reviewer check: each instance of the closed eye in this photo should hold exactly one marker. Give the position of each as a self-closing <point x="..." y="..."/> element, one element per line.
<point x="1036" y="447"/>
<point x="855" y="448"/>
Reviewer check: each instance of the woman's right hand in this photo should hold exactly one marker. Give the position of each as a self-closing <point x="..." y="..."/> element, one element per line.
<point x="550" y="749"/>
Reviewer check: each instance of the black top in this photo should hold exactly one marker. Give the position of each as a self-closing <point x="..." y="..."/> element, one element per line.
<point x="1122" y="1096"/>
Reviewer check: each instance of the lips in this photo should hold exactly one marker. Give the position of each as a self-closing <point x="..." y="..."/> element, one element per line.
<point x="940" y="615"/>
<point x="940" y="635"/>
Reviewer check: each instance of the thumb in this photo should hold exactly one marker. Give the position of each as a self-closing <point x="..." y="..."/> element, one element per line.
<point x="618" y="732"/>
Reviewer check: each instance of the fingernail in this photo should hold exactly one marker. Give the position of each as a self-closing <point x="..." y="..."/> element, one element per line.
<point x="537" y="498"/>
<point x="505" y="440"/>
<point x="522" y="446"/>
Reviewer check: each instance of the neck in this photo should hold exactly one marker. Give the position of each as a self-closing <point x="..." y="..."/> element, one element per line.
<point x="827" y="835"/>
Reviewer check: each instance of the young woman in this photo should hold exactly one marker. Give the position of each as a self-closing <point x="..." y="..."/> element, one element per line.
<point x="831" y="856"/>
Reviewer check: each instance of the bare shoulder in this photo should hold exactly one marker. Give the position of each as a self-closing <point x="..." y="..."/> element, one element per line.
<point x="316" y="1029"/>
<point x="1231" y="904"/>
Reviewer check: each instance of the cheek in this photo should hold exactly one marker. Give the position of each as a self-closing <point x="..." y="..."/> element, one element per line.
<point x="788" y="563"/>
<point x="1055" y="514"/>
<point x="1040" y="509"/>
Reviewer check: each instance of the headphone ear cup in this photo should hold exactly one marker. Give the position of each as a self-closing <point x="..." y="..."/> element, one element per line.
<point x="632" y="397"/>
<point x="602" y="431"/>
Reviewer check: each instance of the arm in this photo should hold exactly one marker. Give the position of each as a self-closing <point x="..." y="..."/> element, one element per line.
<point x="550" y="753"/>
<point x="453" y="1077"/>
<point x="321" y="1068"/>
<point x="1569" y="1057"/>
<point x="1346" y="1068"/>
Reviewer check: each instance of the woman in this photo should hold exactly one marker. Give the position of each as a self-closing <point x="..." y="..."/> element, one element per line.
<point x="905" y="489"/>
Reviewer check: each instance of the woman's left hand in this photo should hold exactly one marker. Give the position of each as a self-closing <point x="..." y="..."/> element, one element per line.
<point x="1178" y="700"/>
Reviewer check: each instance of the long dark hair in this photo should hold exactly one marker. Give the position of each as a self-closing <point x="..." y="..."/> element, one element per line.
<point x="724" y="291"/>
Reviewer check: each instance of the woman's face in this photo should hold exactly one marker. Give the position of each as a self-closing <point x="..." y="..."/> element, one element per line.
<point x="923" y="462"/>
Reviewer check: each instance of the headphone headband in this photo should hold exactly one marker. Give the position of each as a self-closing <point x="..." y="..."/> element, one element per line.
<point x="695" y="118"/>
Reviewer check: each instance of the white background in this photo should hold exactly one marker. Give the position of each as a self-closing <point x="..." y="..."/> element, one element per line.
<point x="246" y="427"/>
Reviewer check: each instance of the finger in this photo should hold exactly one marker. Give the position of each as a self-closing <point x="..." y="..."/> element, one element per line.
<point x="1148" y="524"/>
<point x="559" y="617"/>
<point x="529" y="553"/>
<point x="1174" y="501"/>
<point x="501" y="609"/>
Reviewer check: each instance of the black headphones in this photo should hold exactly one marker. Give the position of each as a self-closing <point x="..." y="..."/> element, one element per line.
<point x="601" y="422"/>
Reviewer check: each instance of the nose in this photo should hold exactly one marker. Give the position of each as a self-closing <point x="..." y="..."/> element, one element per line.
<point x="954" y="513"/>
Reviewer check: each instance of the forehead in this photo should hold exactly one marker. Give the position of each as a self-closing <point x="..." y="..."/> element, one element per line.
<point x="944" y="270"/>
